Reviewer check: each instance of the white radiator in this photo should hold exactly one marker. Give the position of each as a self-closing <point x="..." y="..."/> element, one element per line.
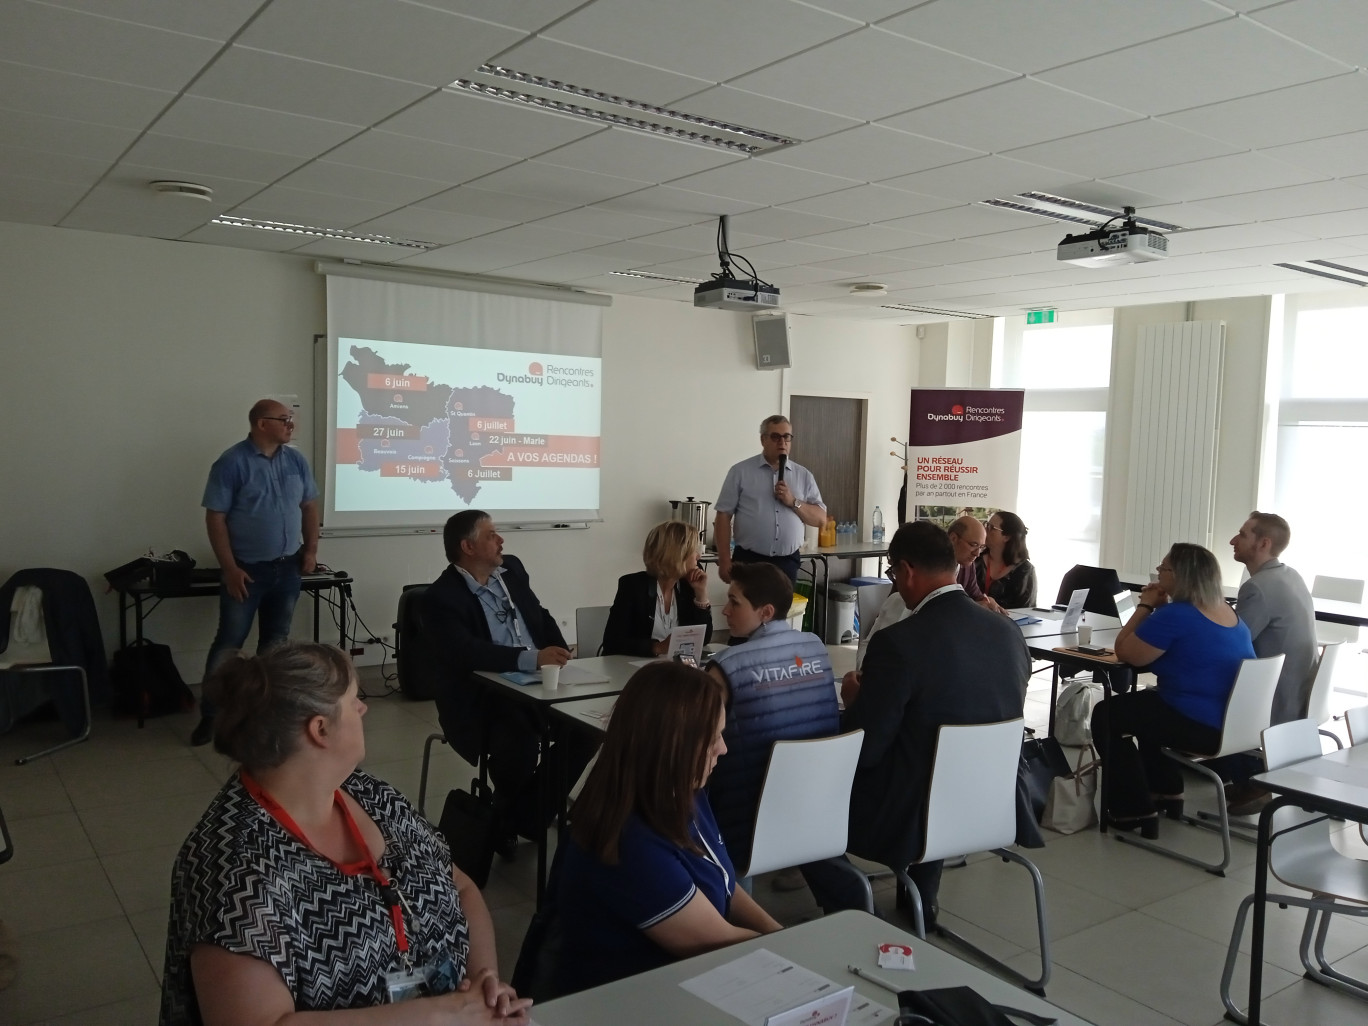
<point x="1177" y="412"/>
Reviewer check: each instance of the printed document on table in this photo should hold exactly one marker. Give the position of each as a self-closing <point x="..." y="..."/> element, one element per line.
<point x="761" y="984"/>
<point x="1074" y="611"/>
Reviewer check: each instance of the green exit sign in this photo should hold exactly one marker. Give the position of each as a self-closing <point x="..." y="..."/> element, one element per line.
<point x="1040" y="317"/>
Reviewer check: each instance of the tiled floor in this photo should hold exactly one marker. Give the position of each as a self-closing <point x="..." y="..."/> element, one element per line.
<point x="1137" y="939"/>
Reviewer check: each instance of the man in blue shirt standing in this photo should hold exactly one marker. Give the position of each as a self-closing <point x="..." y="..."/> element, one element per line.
<point x="261" y="512"/>
<point x="765" y="507"/>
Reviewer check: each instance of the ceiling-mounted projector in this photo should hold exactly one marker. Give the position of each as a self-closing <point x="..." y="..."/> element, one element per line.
<point x="1109" y="247"/>
<point x="736" y="294"/>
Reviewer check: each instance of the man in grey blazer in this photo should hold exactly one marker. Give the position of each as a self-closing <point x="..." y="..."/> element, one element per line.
<point x="951" y="661"/>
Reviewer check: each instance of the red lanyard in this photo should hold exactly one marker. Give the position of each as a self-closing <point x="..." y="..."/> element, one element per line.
<point x="366" y="864"/>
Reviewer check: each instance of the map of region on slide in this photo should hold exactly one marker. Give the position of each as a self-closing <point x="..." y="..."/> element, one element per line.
<point x="461" y="436"/>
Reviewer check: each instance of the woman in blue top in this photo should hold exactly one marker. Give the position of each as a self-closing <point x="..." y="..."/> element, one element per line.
<point x="1183" y="631"/>
<point x="645" y="878"/>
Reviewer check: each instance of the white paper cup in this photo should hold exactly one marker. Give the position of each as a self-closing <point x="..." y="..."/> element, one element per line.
<point x="1084" y="634"/>
<point x="550" y="676"/>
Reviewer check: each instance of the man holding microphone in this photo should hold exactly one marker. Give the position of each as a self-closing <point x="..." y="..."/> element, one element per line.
<point x="765" y="503"/>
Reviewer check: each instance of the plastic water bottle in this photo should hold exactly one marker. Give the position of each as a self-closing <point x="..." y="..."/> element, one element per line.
<point x="878" y="534"/>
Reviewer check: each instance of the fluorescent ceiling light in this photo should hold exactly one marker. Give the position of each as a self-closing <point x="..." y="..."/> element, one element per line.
<point x="1361" y="280"/>
<point x="1061" y="208"/>
<point x="934" y="311"/>
<point x="658" y="277"/>
<point x="320" y="233"/>
<point x="531" y="90"/>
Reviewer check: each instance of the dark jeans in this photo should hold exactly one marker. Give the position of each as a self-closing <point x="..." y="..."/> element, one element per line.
<point x="271" y="597"/>
<point x="788" y="564"/>
<point x="1138" y="774"/>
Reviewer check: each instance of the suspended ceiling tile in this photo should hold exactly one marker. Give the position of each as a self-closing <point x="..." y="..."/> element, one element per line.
<point x="346" y="249"/>
<point x="59" y="135"/>
<point x="765" y="113"/>
<point x="600" y="72"/>
<point x="385" y="37"/>
<point x="1291" y="201"/>
<point x="612" y="283"/>
<point x="696" y="238"/>
<point x="467" y="199"/>
<point x="546" y="242"/>
<point x="273" y="82"/>
<point x="429" y="225"/>
<point x="1337" y="156"/>
<point x="868" y="204"/>
<point x="537" y="180"/>
<point x="1021" y="112"/>
<point x="983" y="178"/>
<point x="1029" y="37"/>
<point x="244" y="238"/>
<point x="501" y="12"/>
<point x="194" y="157"/>
<point x="1335" y="27"/>
<point x="952" y="252"/>
<point x="86" y="44"/>
<point x="565" y="268"/>
<point x="871" y="153"/>
<point x="870" y="238"/>
<point x="217" y="20"/>
<point x="1174" y="73"/>
<point x="421" y="158"/>
<point x="77" y="97"/>
<point x="489" y="125"/>
<point x="1217" y="176"/>
<point x="56" y="167"/>
<point x="1123" y="149"/>
<point x="644" y="158"/>
<point x="784" y="223"/>
<point x="361" y="183"/>
<point x="1223" y="240"/>
<point x="710" y="39"/>
<point x="472" y="257"/>
<point x="1311" y="111"/>
<point x="233" y="124"/>
<point x="638" y="253"/>
<point x="52" y="192"/>
<point x="967" y="220"/>
<point x="864" y="266"/>
<point x="608" y="224"/>
<point x="836" y="76"/>
<point x="761" y="182"/>
<point x="787" y="254"/>
<point x="1337" y="225"/>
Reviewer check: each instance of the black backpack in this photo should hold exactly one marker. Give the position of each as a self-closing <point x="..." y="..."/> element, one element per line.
<point x="147" y="683"/>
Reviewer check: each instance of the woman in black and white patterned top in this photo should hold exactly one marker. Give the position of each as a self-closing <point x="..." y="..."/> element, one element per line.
<point x="309" y="885"/>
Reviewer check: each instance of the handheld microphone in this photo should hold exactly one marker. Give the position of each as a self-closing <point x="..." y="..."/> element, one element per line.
<point x="783" y="462"/>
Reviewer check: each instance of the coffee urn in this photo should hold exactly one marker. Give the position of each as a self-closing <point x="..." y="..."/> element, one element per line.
<point x="691" y="511"/>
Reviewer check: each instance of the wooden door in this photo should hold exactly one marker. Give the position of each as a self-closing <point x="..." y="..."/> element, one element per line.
<point x="828" y="439"/>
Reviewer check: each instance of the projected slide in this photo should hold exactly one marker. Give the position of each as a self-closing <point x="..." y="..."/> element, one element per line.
<point x="427" y="427"/>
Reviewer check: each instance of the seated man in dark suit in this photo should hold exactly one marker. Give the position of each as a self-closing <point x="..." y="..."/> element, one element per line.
<point x="482" y="614"/>
<point x="952" y="661"/>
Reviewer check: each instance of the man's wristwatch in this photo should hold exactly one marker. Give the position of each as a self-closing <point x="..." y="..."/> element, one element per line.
<point x="796" y="506"/>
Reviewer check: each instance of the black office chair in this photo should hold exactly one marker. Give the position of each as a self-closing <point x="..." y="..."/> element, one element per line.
<point x="1102" y="585"/>
<point x="412" y="652"/>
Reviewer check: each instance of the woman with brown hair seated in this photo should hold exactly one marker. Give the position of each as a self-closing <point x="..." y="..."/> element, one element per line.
<point x="645" y="878"/>
<point x="671" y="592"/>
<point x="310" y="885"/>
<point x="1004" y="570"/>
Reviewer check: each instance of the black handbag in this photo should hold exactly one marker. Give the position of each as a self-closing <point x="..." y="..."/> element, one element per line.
<point x="958" y="1006"/>
<point x="470" y="826"/>
<point x="1042" y="759"/>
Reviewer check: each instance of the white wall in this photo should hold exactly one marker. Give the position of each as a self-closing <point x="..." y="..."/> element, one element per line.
<point x="129" y="364"/>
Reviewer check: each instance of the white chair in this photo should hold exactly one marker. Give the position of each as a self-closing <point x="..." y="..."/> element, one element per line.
<point x="590" y="622"/>
<point x="972" y="808"/>
<point x="1248" y="711"/>
<point x="1339" y="589"/>
<point x="1357" y="719"/>
<point x="1322" y="683"/>
<point x="1301" y="855"/>
<point x="804" y="811"/>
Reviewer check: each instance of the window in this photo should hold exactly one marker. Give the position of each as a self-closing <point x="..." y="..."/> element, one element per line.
<point x="1065" y="369"/>
<point x="1323" y="432"/>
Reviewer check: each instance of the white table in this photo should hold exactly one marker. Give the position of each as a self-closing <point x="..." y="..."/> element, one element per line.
<point x="825" y="946"/>
<point x="1052" y="622"/>
<point x="1335" y="784"/>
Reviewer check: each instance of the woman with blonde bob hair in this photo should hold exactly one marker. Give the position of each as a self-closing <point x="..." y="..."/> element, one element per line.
<point x="310" y="885"/>
<point x="645" y="877"/>
<point x="1185" y="633"/>
<point x="671" y="592"/>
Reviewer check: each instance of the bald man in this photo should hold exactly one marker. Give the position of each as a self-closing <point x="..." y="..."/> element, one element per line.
<point x="969" y="536"/>
<point x="261" y="512"/>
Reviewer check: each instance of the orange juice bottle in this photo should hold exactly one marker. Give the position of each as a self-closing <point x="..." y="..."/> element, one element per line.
<point x="827" y="538"/>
